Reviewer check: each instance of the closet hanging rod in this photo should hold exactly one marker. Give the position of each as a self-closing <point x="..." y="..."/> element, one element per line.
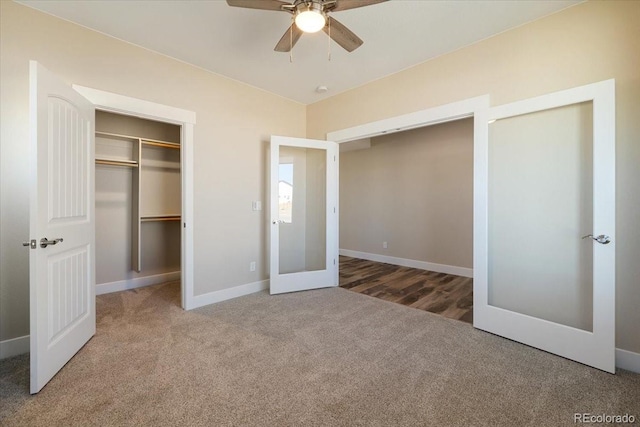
<point x="128" y="163"/>
<point x="161" y="144"/>
<point x="160" y="218"/>
<point x="149" y="141"/>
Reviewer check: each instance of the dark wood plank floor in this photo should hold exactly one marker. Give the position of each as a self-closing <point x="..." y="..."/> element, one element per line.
<point x="445" y="294"/>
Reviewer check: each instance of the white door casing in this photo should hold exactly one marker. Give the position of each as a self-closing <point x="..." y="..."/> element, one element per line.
<point x="318" y="278"/>
<point x="595" y="347"/>
<point x="129" y="106"/>
<point x="62" y="275"/>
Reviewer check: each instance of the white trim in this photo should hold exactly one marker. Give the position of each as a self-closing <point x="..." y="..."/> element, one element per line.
<point x="187" y="253"/>
<point x="121" y="104"/>
<point x="422" y="265"/>
<point x="440" y="114"/>
<point x="628" y="360"/>
<point x="136" y="282"/>
<point x="229" y="293"/>
<point x="14" y="347"/>
<point x="126" y="105"/>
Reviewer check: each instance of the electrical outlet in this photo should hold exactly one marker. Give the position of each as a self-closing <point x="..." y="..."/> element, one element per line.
<point x="252" y="266"/>
<point x="384" y="245"/>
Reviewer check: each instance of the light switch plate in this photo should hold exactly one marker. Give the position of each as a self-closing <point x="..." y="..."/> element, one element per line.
<point x="256" y="205"/>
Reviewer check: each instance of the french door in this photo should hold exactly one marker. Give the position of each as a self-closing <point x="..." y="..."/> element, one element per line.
<point x="303" y="214"/>
<point x="544" y="223"/>
<point x="62" y="233"/>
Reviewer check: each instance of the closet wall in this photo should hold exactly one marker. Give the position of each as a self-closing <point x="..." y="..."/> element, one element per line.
<point x="118" y="230"/>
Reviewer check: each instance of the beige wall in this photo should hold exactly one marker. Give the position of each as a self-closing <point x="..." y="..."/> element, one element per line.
<point x="587" y="43"/>
<point x="234" y="123"/>
<point x="413" y="190"/>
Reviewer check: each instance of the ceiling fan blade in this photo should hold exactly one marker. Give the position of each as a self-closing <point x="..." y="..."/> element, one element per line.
<point x="289" y="40"/>
<point x="352" y="4"/>
<point x="342" y="35"/>
<point x="259" y="4"/>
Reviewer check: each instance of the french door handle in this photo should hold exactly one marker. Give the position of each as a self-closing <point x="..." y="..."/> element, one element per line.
<point x="278" y="222"/>
<point x="600" y="239"/>
<point x="44" y="242"/>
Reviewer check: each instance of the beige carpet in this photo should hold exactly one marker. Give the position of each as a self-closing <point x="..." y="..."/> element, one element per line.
<point x="326" y="357"/>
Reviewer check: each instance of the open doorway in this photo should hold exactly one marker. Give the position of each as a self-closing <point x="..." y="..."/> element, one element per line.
<point x="184" y="120"/>
<point x="138" y="202"/>
<point x="406" y="216"/>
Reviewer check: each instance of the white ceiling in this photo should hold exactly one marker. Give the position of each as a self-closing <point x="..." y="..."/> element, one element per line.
<point x="238" y="43"/>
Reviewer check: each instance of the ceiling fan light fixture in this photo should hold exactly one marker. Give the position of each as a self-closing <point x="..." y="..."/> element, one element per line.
<point x="310" y="20"/>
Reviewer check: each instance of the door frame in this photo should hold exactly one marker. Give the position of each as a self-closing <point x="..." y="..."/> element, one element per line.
<point x="432" y="116"/>
<point x="125" y="105"/>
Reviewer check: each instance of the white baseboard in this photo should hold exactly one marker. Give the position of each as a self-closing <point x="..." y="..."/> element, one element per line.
<point x="628" y="360"/>
<point x="14" y="347"/>
<point x="138" y="282"/>
<point x="229" y="293"/>
<point x="423" y="265"/>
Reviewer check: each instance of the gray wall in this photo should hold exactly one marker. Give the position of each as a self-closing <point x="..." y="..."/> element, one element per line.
<point x="413" y="190"/>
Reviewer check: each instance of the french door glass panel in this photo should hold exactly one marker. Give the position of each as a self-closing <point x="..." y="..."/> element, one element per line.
<point x="303" y="220"/>
<point x="544" y="185"/>
<point x="540" y="204"/>
<point x="302" y="209"/>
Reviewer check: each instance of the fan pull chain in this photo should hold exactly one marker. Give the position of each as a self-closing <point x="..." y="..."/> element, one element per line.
<point x="329" y="40"/>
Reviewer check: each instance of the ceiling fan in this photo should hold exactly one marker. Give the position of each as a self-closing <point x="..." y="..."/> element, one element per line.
<point x="311" y="16"/>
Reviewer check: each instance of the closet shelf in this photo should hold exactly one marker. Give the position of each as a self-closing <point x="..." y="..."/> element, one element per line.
<point x="163" y="144"/>
<point x="117" y="162"/>
<point x="144" y="141"/>
<point x="149" y="218"/>
<point x="117" y="135"/>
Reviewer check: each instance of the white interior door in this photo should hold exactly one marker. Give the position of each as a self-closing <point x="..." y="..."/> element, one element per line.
<point x="544" y="187"/>
<point x="304" y="214"/>
<point x="62" y="257"/>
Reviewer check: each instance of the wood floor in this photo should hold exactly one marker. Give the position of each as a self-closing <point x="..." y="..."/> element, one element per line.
<point x="445" y="294"/>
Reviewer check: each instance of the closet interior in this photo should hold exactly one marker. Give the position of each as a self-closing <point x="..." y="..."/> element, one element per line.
<point x="138" y="200"/>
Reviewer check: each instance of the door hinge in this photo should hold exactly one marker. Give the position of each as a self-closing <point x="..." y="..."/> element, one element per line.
<point x="334" y="261"/>
<point x="334" y="158"/>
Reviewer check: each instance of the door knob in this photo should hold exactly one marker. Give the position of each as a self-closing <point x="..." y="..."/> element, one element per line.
<point x="44" y="242"/>
<point x="278" y="221"/>
<point x="600" y="239"/>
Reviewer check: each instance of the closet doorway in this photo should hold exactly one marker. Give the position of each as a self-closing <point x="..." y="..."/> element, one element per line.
<point x="138" y="201"/>
<point x="168" y="119"/>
